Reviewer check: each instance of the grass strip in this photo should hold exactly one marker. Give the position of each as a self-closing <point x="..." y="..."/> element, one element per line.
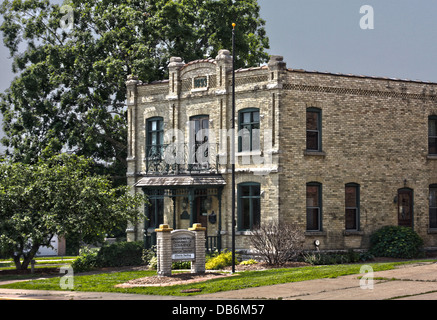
<point x="105" y="282"/>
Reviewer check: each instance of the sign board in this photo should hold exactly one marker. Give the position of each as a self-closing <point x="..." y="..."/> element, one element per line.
<point x="183" y="247"/>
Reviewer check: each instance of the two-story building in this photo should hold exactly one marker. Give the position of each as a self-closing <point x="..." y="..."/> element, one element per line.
<point x="339" y="155"/>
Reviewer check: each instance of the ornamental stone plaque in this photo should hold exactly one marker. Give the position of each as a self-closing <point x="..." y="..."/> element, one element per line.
<point x="180" y="245"/>
<point x="183" y="245"/>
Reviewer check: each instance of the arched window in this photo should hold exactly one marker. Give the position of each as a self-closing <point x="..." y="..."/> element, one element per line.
<point x="249" y="206"/>
<point x="352" y="206"/>
<point x="314" y="206"/>
<point x="432" y="135"/>
<point x="154" y="137"/>
<point x="314" y="129"/>
<point x="433" y="206"/>
<point x="248" y="126"/>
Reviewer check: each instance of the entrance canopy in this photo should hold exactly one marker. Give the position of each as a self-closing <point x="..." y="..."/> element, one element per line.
<point x="181" y="181"/>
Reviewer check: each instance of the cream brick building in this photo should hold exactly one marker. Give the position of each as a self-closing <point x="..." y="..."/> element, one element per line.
<point x="340" y="155"/>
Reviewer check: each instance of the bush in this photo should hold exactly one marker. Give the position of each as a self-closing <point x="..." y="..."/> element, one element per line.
<point x="278" y="243"/>
<point x="86" y="261"/>
<point x="220" y="261"/>
<point x="395" y="242"/>
<point x="121" y="254"/>
<point x="326" y="258"/>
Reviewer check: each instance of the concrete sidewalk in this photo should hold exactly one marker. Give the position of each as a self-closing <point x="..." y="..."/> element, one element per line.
<point x="414" y="282"/>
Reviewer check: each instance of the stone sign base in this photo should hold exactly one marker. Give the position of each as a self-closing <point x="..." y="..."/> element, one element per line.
<point x="180" y="245"/>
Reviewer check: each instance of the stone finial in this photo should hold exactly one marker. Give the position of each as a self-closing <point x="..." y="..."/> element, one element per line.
<point x="132" y="80"/>
<point x="224" y="55"/>
<point x="176" y="62"/>
<point x="164" y="228"/>
<point x="276" y="62"/>
<point x="197" y="227"/>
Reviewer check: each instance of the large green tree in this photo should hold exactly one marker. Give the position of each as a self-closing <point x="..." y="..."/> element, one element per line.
<point x="61" y="197"/>
<point x="69" y="92"/>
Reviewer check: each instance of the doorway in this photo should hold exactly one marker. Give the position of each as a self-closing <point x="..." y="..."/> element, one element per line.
<point x="202" y="212"/>
<point x="405" y="207"/>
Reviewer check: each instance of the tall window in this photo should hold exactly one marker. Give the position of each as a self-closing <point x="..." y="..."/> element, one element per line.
<point x="155" y="137"/>
<point x="249" y="137"/>
<point x="432" y="135"/>
<point x="352" y="206"/>
<point x="199" y="136"/>
<point x="314" y="126"/>
<point x="314" y="206"/>
<point x="155" y="208"/>
<point x="249" y="206"/>
<point x="433" y="206"/>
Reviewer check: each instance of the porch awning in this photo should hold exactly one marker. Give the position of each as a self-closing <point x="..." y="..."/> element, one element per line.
<point x="181" y="181"/>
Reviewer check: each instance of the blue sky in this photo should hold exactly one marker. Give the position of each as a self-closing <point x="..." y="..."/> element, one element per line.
<point x="325" y="35"/>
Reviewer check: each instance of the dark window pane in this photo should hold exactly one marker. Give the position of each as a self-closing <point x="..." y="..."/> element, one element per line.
<point x="433" y="197"/>
<point x="432" y="146"/>
<point x="312" y="196"/>
<point x="351" y="196"/>
<point x="432" y="128"/>
<point x="351" y="219"/>
<point x="312" y="140"/>
<point x="313" y="219"/>
<point x="433" y="218"/>
<point x="312" y="121"/>
<point x="256" y="207"/>
<point x="245" y="221"/>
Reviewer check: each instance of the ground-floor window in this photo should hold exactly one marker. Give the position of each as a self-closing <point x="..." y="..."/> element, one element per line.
<point x="352" y="206"/>
<point x="249" y="206"/>
<point x="314" y="206"/>
<point x="433" y="206"/>
<point x="155" y="209"/>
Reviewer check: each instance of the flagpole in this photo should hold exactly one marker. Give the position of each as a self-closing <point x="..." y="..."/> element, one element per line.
<point x="233" y="148"/>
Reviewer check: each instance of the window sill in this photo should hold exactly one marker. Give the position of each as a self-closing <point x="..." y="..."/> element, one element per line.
<point x="353" y="233"/>
<point x="315" y="233"/>
<point x="432" y="157"/>
<point x="432" y="231"/>
<point x="244" y="233"/>
<point x="314" y="153"/>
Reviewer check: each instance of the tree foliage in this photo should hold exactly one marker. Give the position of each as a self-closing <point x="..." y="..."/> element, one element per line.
<point x="70" y="86"/>
<point x="58" y="197"/>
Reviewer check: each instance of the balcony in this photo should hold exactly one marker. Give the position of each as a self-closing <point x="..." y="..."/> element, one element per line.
<point x="182" y="159"/>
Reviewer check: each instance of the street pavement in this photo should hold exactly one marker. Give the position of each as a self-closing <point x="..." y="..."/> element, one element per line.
<point x="410" y="282"/>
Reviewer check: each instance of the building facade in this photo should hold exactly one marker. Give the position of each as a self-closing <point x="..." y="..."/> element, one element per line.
<point x="338" y="155"/>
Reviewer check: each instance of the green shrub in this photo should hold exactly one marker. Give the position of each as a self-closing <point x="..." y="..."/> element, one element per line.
<point x="86" y="261"/>
<point x="248" y="262"/>
<point x="327" y="258"/>
<point x="395" y="242"/>
<point x="121" y="254"/>
<point x="220" y="261"/>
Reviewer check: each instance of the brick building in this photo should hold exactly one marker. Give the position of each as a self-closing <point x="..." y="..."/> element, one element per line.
<point x="340" y="155"/>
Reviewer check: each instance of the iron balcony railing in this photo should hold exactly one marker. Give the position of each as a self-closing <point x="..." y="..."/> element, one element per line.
<point x="177" y="159"/>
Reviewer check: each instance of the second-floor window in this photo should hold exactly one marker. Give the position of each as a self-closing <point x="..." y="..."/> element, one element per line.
<point x="314" y="129"/>
<point x="249" y="135"/>
<point x="432" y="135"/>
<point x="154" y="137"/>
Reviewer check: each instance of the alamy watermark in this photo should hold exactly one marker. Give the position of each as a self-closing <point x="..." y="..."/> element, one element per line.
<point x="66" y="282"/>
<point x="67" y="21"/>
<point x="366" y="281"/>
<point x="367" y="21"/>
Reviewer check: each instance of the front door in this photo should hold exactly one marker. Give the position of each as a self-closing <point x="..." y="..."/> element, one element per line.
<point x="201" y="212"/>
<point x="405" y="208"/>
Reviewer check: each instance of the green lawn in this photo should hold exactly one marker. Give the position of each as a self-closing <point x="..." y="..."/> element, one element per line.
<point x="105" y="282"/>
